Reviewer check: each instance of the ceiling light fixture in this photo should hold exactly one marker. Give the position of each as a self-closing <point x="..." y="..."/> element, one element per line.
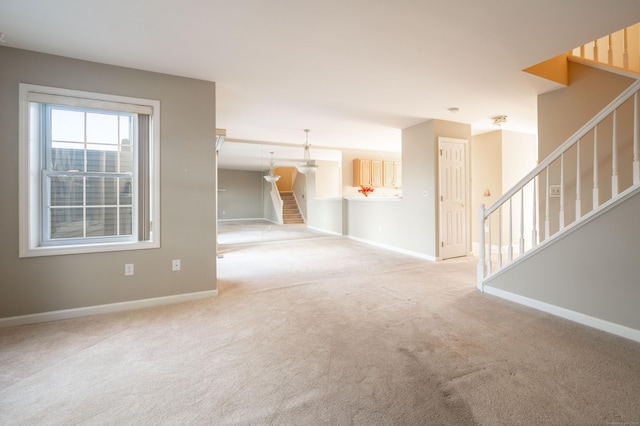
<point x="499" y="119"/>
<point x="308" y="166"/>
<point x="271" y="177"/>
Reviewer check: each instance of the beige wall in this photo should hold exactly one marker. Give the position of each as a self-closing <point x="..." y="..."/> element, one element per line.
<point x="188" y="188"/>
<point x="486" y="174"/>
<point x="286" y="178"/>
<point x="499" y="159"/>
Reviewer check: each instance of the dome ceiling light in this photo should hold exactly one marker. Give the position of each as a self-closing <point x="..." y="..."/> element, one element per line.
<point x="271" y="177"/>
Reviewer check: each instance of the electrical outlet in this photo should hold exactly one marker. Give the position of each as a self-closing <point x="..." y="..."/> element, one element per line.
<point x="554" y="190"/>
<point x="175" y="265"/>
<point x="128" y="269"/>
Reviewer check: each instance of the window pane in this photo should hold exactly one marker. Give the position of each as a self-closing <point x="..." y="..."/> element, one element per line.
<point x="125" y="191"/>
<point x="126" y="216"/>
<point x="66" y="191"/>
<point x="102" y="128"/>
<point x="101" y="191"/>
<point x="66" y="223"/>
<point x="126" y="158"/>
<point x="67" y="126"/>
<point x="101" y="160"/>
<point x="125" y="129"/>
<point x="69" y="158"/>
<point x="101" y="221"/>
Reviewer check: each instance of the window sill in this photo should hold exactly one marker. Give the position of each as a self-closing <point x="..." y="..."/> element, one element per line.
<point x="87" y="248"/>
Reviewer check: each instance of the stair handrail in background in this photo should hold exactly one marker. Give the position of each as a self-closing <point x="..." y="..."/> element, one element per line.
<point x="622" y="49"/>
<point x="277" y="202"/>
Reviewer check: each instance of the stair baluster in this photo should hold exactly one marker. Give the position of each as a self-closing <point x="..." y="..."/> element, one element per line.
<point x="610" y="51"/>
<point x="636" y="142"/>
<point x="489" y="235"/>
<point x="510" y="254"/>
<point x="625" y="52"/>
<point x="521" y="222"/>
<point x="578" y="190"/>
<point x="500" y="238"/>
<point x="534" y="230"/>
<point x="596" y="196"/>
<point x="561" y="213"/>
<point x="614" y="158"/>
<point x="547" y="208"/>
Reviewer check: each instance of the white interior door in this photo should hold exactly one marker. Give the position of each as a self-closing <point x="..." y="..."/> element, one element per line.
<point x="453" y="198"/>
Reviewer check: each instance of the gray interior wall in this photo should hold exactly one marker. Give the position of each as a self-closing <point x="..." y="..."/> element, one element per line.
<point x="187" y="193"/>
<point x="593" y="271"/>
<point x="486" y="175"/>
<point x="240" y="194"/>
<point x="323" y="213"/>
<point x="419" y="190"/>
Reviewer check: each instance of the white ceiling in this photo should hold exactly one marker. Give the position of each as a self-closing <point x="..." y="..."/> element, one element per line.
<point x="354" y="71"/>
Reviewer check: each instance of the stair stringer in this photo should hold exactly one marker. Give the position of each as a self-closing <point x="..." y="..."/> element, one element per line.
<point x="589" y="273"/>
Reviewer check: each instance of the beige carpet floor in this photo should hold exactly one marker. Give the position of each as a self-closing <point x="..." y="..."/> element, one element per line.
<point x="255" y="231"/>
<point x="323" y="331"/>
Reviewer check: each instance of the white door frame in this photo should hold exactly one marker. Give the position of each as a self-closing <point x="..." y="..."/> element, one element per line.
<point x="467" y="209"/>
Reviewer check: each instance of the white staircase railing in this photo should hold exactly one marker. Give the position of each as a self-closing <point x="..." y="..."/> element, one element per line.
<point x="277" y="202"/>
<point x="535" y="211"/>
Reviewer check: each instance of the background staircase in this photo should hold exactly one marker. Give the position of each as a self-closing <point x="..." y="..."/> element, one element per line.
<point x="290" y="211"/>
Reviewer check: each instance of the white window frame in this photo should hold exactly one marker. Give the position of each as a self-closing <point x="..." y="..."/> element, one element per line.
<point x="31" y="241"/>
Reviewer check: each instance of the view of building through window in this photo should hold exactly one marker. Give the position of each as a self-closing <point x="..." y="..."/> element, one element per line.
<point x="89" y="173"/>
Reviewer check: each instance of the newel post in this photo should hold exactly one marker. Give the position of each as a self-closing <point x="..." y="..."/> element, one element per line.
<point x="481" y="261"/>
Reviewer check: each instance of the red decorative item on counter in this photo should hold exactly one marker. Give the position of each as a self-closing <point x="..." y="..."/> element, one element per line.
<point x="365" y="190"/>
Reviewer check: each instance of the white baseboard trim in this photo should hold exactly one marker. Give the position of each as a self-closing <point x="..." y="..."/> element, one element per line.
<point x="600" y="324"/>
<point x="324" y="231"/>
<point x="103" y="309"/>
<point x="396" y="249"/>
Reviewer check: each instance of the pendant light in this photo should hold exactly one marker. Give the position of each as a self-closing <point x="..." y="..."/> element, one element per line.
<point x="271" y="177"/>
<point x="308" y="166"/>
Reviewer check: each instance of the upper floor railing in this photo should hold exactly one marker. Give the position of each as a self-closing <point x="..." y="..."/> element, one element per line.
<point x="588" y="170"/>
<point x="620" y="49"/>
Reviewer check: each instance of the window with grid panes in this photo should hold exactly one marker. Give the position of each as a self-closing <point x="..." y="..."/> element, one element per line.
<point x="90" y="160"/>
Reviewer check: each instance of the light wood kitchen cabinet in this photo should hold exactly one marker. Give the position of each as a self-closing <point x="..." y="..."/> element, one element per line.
<point x="392" y="173"/>
<point x="388" y="174"/>
<point x="397" y="174"/>
<point x="361" y="172"/>
<point x="376" y="173"/>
